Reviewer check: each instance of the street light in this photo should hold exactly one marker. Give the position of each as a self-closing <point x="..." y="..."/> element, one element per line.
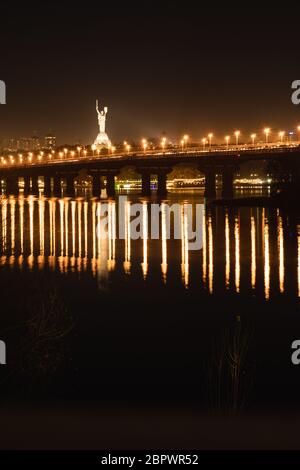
<point x="185" y="138"/>
<point x="281" y="134"/>
<point x="163" y="143"/>
<point x="182" y="144"/>
<point x="127" y="148"/>
<point x="85" y="152"/>
<point x="253" y="137"/>
<point x="79" y="150"/>
<point x="227" y="138"/>
<point x="237" y="134"/>
<point x="210" y="136"/>
<point x="204" y="142"/>
<point x="144" y="144"/>
<point x="65" y="152"/>
<point x="267" y="132"/>
<point x="93" y="149"/>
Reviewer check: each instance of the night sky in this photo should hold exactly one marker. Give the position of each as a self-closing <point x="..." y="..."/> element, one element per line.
<point x="170" y="67"/>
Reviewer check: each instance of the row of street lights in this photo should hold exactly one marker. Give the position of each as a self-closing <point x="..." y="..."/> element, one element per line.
<point x="208" y="140"/>
<point x="266" y="131"/>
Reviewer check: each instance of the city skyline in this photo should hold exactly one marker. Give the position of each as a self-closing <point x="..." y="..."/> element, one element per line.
<point x="171" y="70"/>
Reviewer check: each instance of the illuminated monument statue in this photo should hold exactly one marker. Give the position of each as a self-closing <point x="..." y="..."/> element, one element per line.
<point x="102" y="140"/>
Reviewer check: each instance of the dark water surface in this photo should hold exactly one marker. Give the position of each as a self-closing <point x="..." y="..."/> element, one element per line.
<point x="86" y="318"/>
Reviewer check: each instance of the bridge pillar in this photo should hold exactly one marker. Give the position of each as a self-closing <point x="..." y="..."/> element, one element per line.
<point x="47" y="186"/>
<point x="227" y="183"/>
<point x="110" y="185"/>
<point x="70" y="189"/>
<point x="162" y="183"/>
<point x="12" y="186"/>
<point x="146" y="189"/>
<point x="35" y="185"/>
<point x="57" y="186"/>
<point x="210" y="183"/>
<point x="96" y="185"/>
<point x="26" y="185"/>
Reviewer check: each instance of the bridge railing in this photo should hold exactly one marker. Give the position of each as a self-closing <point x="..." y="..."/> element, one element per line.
<point x="237" y="150"/>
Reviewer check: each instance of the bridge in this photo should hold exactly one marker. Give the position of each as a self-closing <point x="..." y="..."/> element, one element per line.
<point x="218" y="160"/>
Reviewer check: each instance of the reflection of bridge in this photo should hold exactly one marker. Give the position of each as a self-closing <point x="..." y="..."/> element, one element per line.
<point x="224" y="161"/>
<point x="64" y="235"/>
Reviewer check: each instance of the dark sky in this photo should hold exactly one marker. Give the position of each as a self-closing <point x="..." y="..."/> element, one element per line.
<point x="168" y="67"/>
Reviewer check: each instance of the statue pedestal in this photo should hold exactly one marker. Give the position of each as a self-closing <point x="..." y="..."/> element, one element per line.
<point x="102" y="141"/>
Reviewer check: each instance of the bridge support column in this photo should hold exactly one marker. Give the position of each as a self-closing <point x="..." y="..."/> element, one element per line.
<point x="47" y="186"/>
<point x="70" y="189"/>
<point x="26" y="185"/>
<point x="146" y="189"/>
<point x="162" y="183"/>
<point x="227" y="183"/>
<point x="210" y="183"/>
<point x="110" y="185"/>
<point x="57" y="186"/>
<point x="35" y="185"/>
<point x="96" y="186"/>
<point x="12" y="186"/>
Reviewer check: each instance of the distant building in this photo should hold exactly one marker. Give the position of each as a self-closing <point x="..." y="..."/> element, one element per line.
<point x="50" y="141"/>
<point x="28" y="143"/>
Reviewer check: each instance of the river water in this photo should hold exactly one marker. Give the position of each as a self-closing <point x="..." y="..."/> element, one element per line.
<point x="89" y="317"/>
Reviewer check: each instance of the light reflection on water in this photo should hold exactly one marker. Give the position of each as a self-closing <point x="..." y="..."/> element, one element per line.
<point x="245" y="250"/>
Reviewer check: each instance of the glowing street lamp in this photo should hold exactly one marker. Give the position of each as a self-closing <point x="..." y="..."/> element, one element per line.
<point x="72" y="153"/>
<point x="210" y="136"/>
<point x="78" y="150"/>
<point x="144" y="144"/>
<point x="85" y="152"/>
<point x="281" y="134"/>
<point x="93" y="149"/>
<point x="65" y="152"/>
<point x="227" y="138"/>
<point x="113" y="148"/>
<point x="61" y="154"/>
<point x="127" y="148"/>
<point x="185" y="138"/>
<point x="237" y="134"/>
<point x="30" y="157"/>
<point x="204" y="142"/>
<point x="253" y="137"/>
<point x="182" y="144"/>
<point x="267" y="132"/>
<point x="163" y="143"/>
<point x="20" y="158"/>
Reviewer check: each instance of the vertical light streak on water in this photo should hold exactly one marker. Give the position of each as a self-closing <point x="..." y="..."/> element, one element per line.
<point x="164" y="249"/>
<point x="227" y="251"/>
<point x="253" y="253"/>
